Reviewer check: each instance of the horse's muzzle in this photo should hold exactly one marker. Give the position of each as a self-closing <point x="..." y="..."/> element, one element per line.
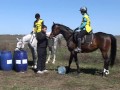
<point x="51" y="36"/>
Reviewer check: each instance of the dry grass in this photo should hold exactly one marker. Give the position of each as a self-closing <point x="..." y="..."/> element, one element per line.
<point x="52" y="81"/>
<point x="89" y="79"/>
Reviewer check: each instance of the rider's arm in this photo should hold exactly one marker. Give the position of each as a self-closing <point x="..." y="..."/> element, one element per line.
<point x="34" y="28"/>
<point x="84" y="23"/>
<point x="42" y="25"/>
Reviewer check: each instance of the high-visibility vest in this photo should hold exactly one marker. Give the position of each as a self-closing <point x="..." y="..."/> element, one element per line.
<point x="38" y="26"/>
<point x="87" y="27"/>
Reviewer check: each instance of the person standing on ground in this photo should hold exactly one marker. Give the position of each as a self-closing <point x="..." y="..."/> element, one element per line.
<point x="42" y="50"/>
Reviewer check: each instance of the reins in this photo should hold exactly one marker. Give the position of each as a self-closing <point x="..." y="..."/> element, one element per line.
<point x="32" y="35"/>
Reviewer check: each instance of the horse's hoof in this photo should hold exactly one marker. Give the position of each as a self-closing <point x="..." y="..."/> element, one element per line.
<point x="46" y="62"/>
<point x="34" y="66"/>
<point x="53" y="62"/>
<point x="104" y="74"/>
<point x="67" y="70"/>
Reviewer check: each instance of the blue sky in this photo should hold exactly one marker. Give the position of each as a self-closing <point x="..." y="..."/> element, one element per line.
<point x="17" y="16"/>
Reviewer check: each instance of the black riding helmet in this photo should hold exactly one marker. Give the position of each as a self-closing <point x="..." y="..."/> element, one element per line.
<point x="83" y="10"/>
<point x="37" y="15"/>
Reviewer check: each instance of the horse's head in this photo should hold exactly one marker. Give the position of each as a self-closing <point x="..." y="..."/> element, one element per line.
<point x="61" y="29"/>
<point x="20" y="44"/>
<point x="55" y="30"/>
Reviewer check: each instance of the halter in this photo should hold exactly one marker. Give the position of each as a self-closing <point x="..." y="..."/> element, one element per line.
<point x="67" y="28"/>
<point x="20" y="47"/>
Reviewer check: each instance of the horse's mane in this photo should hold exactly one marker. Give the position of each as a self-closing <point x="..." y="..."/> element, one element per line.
<point x="61" y="25"/>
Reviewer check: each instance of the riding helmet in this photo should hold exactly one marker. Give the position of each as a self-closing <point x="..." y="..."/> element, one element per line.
<point x="83" y="9"/>
<point x="37" y="15"/>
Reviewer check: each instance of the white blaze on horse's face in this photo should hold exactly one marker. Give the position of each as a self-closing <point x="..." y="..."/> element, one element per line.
<point x="20" y="44"/>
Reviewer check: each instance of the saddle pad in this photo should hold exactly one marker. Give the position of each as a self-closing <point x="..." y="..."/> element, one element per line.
<point x="87" y="38"/>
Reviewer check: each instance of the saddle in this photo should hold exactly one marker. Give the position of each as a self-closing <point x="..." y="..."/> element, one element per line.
<point x="87" y="39"/>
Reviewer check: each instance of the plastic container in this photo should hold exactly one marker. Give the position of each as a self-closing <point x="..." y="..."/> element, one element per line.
<point x="20" y="61"/>
<point x="6" y="62"/>
<point x="61" y="70"/>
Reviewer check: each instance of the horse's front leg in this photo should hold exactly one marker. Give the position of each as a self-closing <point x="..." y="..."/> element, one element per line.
<point x="54" y="54"/>
<point x="34" y="55"/>
<point x="77" y="62"/>
<point x="34" y="58"/>
<point x="106" y="63"/>
<point x="70" y="61"/>
<point x="49" y="57"/>
<point x="54" y="57"/>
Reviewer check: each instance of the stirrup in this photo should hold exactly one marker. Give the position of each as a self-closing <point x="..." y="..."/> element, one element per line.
<point x="78" y="50"/>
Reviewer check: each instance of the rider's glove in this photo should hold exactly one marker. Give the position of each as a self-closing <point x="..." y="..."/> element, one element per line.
<point x="77" y="28"/>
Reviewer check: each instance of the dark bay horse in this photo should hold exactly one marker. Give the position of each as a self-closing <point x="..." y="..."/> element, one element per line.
<point x="102" y="41"/>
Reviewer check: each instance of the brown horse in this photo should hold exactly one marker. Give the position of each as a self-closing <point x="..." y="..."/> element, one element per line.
<point x="102" y="41"/>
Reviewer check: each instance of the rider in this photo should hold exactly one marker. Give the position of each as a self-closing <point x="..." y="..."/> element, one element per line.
<point x="38" y="23"/>
<point x="37" y="27"/>
<point x="85" y="27"/>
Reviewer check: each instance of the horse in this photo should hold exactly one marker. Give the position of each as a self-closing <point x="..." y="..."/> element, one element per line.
<point x="52" y="46"/>
<point x="30" y="39"/>
<point x="102" y="41"/>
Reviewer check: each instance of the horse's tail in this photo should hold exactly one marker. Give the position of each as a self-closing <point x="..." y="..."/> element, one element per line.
<point x="113" y="50"/>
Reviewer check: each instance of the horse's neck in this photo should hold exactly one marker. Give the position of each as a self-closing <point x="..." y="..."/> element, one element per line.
<point x="60" y="36"/>
<point x="26" y="38"/>
<point x="66" y="34"/>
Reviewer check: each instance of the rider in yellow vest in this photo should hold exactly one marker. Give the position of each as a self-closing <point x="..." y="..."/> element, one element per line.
<point x="85" y="27"/>
<point x="38" y="23"/>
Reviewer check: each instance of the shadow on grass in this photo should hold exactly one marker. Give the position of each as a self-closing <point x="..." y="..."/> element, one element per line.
<point x="30" y="63"/>
<point x="92" y="71"/>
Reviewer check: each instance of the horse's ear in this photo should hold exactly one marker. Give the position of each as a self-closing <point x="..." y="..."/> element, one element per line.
<point x="17" y="39"/>
<point x="53" y="23"/>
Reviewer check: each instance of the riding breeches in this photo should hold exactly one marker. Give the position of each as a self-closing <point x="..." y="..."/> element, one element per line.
<point x="82" y="33"/>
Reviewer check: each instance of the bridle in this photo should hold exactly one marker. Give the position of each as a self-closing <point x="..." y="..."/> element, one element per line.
<point x="34" y="36"/>
<point x="20" y="48"/>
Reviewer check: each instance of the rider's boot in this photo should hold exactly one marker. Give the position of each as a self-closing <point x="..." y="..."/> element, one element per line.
<point x="78" y="49"/>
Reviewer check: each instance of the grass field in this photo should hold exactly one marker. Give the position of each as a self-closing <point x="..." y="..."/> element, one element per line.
<point x="89" y="79"/>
